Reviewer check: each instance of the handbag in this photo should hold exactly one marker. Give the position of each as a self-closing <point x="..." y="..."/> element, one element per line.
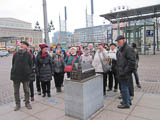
<point x="105" y="64"/>
<point x="68" y="68"/>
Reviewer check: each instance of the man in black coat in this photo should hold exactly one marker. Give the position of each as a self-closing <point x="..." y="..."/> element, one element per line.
<point x="126" y="62"/>
<point x="20" y="73"/>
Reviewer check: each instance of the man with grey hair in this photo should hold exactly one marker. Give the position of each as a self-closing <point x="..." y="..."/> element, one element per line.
<point x="126" y="62"/>
<point x="92" y="50"/>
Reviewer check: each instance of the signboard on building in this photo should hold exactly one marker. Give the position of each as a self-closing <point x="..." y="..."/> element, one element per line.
<point x="149" y="33"/>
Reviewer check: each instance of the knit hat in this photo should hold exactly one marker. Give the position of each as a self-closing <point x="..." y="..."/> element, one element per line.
<point x="43" y="46"/>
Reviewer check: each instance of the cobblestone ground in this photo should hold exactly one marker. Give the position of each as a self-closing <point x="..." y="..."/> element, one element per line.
<point x="6" y="85"/>
<point x="149" y="73"/>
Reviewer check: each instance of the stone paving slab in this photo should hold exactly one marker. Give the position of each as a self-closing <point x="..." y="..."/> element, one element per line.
<point x="146" y="113"/>
<point x="150" y="101"/>
<point x="53" y="109"/>
<point x="50" y="114"/>
<point x="110" y="115"/>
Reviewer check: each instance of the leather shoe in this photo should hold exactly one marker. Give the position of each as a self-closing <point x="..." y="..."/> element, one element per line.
<point x="122" y="103"/>
<point x="49" y="95"/>
<point x="17" y="107"/>
<point x="44" y="95"/>
<point x="123" y="106"/>
<point x="28" y="106"/>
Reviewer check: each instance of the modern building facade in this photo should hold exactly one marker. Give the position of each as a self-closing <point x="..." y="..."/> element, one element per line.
<point x="100" y="33"/>
<point x="19" y="31"/>
<point x="62" y="37"/>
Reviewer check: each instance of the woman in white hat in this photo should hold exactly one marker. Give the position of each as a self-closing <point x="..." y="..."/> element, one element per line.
<point x="71" y="59"/>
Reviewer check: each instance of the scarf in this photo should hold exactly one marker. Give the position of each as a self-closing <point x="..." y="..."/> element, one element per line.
<point x="43" y="55"/>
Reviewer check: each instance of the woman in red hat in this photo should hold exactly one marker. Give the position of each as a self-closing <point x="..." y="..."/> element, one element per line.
<point x="44" y="69"/>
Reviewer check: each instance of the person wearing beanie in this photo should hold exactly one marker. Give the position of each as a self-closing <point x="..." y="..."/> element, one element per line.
<point x="60" y="47"/>
<point x="44" y="69"/>
<point x="71" y="59"/>
<point x="20" y="73"/>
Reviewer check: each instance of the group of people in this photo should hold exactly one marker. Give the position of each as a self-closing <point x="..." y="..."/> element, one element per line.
<point x="116" y="62"/>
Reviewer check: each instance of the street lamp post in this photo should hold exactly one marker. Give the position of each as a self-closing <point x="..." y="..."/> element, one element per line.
<point x="46" y="39"/>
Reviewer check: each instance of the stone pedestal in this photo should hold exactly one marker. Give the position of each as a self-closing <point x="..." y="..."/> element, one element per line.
<point x="84" y="98"/>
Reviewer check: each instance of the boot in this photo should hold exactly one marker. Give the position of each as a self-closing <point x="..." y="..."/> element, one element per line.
<point x="59" y="89"/>
<point x="123" y="106"/>
<point x="17" y="107"/>
<point x="39" y="93"/>
<point x="49" y="95"/>
<point x="44" y="95"/>
<point x="28" y="106"/>
<point x="32" y="98"/>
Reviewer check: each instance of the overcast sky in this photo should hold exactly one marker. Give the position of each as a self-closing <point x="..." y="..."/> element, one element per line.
<point x="32" y="10"/>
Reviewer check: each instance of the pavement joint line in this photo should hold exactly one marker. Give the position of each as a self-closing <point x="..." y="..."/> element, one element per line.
<point x="134" y="106"/>
<point x="61" y="117"/>
<point x="148" y="107"/>
<point x="33" y="117"/>
<point x="36" y="112"/>
<point x="97" y="113"/>
<point x="140" y="117"/>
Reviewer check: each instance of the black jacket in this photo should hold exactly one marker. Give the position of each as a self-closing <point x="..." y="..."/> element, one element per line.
<point x="126" y="61"/>
<point x="58" y="63"/>
<point x="21" y="66"/>
<point x="32" y="76"/>
<point x="44" y="67"/>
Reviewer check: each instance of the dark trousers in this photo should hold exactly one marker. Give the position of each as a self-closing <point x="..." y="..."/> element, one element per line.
<point x="31" y="86"/>
<point x="68" y="74"/>
<point x="131" y="85"/>
<point x="104" y="82"/>
<point x="46" y="86"/>
<point x="58" y="79"/>
<point x="16" y="86"/>
<point x="112" y="75"/>
<point x="136" y="77"/>
<point x="38" y="84"/>
<point x="125" y="92"/>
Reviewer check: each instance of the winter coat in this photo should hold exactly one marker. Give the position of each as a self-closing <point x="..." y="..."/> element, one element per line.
<point x="92" y="53"/>
<point x="44" y="67"/>
<point x="86" y="58"/>
<point x="137" y="58"/>
<point x="58" y="63"/>
<point x="21" y="66"/>
<point x="97" y="62"/>
<point x="112" y="56"/>
<point x="32" y="75"/>
<point x="126" y="62"/>
<point x="69" y="59"/>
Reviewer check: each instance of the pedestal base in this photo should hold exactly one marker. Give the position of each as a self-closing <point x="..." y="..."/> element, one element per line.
<point x="82" y="99"/>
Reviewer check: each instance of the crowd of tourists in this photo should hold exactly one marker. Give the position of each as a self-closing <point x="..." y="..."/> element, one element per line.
<point x="117" y="62"/>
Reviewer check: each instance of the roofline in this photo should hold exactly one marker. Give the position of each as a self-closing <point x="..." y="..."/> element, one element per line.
<point x="133" y="12"/>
